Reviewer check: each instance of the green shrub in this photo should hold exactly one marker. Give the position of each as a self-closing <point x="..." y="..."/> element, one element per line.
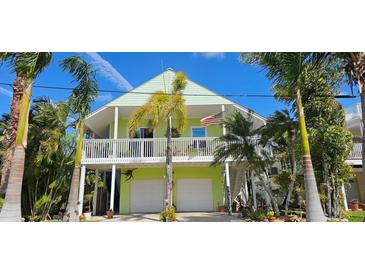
<point x="168" y="215"/>
<point x="1" y="202"/>
<point x="258" y="215"/>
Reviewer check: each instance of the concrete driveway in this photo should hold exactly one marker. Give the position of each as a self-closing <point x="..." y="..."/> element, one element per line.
<point x="181" y="217"/>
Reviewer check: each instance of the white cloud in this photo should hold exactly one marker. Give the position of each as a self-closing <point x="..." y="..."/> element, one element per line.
<point x="6" y="92"/>
<point x="106" y="69"/>
<point x="105" y="97"/>
<point x="211" y="55"/>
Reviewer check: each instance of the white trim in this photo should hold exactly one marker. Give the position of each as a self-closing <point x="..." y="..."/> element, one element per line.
<point x="192" y="127"/>
<point x="112" y="191"/>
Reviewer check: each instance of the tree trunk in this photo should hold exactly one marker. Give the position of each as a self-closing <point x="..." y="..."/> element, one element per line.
<point x="314" y="211"/>
<point x="72" y="209"/>
<point x="168" y="191"/>
<point x="293" y="176"/>
<point x="327" y="186"/>
<point x="362" y="96"/>
<point x="11" y="210"/>
<point x="267" y="188"/>
<point x="19" y="87"/>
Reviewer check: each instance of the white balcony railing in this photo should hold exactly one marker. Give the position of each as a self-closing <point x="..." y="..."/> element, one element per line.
<point x="148" y="150"/>
<point x="153" y="150"/>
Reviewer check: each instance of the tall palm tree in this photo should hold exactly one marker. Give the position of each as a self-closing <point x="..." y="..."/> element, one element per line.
<point x="27" y="66"/>
<point x="240" y="143"/>
<point x="282" y="129"/>
<point x="288" y="70"/>
<point x="80" y="102"/>
<point x="164" y="106"/>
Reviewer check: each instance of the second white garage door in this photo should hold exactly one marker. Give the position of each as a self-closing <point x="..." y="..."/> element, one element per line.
<point x="147" y="195"/>
<point x="194" y="195"/>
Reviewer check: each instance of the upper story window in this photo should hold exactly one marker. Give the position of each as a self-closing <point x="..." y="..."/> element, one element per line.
<point x="198" y="132"/>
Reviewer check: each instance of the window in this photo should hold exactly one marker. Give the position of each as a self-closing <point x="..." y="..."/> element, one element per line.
<point x="198" y="132"/>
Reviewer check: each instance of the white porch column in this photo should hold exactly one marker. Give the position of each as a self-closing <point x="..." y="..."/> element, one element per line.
<point x="115" y="136"/>
<point x="95" y="191"/>
<point x="112" y="188"/>
<point x="81" y="190"/>
<point x="226" y="167"/>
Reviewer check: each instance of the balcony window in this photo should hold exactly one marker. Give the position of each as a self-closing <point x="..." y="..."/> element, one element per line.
<point x="198" y="132"/>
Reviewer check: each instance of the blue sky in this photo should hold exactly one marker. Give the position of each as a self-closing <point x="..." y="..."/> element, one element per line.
<point x="220" y="72"/>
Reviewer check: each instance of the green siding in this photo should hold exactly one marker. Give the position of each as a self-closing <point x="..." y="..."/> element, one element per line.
<point x="212" y="131"/>
<point x="140" y="94"/>
<point x="201" y="172"/>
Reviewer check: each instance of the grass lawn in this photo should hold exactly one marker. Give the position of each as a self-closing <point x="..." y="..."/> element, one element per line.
<point x="357" y="216"/>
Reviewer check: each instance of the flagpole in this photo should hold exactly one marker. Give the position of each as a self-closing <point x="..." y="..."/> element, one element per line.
<point x="228" y="183"/>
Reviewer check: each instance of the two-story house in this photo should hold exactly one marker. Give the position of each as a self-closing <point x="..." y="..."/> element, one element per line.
<point x="133" y="167"/>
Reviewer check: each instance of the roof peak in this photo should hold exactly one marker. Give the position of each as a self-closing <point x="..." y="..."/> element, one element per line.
<point x="169" y="69"/>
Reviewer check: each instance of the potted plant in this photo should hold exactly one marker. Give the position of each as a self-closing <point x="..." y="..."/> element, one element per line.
<point x="271" y="216"/>
<point x="110" y="214"/>
<point x="88" y="212"/>
<point x="221" y="208"/>
<point x="168" y="215"/>
<point x="354" y="204"/>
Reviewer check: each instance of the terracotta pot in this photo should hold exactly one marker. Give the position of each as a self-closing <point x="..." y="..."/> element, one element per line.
<point x="109" y="214"/>
<point x="271" y="219"/>
<point x="354" y="206"/>
<point x="221" y="208"/>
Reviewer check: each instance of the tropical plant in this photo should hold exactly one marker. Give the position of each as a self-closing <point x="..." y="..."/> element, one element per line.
<point x="80" y="101"/>
<point x="283" y="130"/>
<point x="163" y="106"/>
<point x="353" y="66"/>
<point x="27" y="66"/>
<point x="48" y="160"/>
<point x="241" y="144"/>
<point x="288" y="72"/>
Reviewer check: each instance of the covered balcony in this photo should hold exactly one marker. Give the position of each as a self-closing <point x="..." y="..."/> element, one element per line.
<point x="149" y="150"/>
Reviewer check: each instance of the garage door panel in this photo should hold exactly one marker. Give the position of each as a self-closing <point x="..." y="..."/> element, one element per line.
<point x="147" y="196"/>
<point x="194" y="195"/>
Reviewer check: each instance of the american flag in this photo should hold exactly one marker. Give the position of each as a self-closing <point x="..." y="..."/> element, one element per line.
<point x="212" y="119"/>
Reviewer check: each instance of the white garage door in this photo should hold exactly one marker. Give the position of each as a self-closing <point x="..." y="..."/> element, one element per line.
<point x="147" y="196"/>
<point x="194" y="195"/>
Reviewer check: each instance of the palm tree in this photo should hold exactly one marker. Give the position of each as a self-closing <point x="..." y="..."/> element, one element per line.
<point x="79" y="101"/>
<point x="4" y="125"/>
<point x="282" y="129"/>
<point x="288" y="71"/>
<point x="163" y="106"/>
<point x="27" y="66"/>
<point x="241" y="145"/>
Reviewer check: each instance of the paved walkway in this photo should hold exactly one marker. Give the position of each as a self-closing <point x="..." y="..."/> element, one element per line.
<point x="181" y="217"/>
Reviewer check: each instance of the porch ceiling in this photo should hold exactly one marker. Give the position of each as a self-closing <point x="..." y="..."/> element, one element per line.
<point x="99" y="120"/>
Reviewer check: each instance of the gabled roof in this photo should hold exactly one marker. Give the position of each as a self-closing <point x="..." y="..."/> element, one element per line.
<point x="139" y="95"/>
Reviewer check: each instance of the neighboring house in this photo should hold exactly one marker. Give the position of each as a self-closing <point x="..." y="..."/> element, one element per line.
<point x="354" y="124"/>
<point x="133" y="167"/>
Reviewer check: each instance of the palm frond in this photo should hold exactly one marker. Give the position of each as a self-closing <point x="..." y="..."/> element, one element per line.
<point x="87" y="88"/>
